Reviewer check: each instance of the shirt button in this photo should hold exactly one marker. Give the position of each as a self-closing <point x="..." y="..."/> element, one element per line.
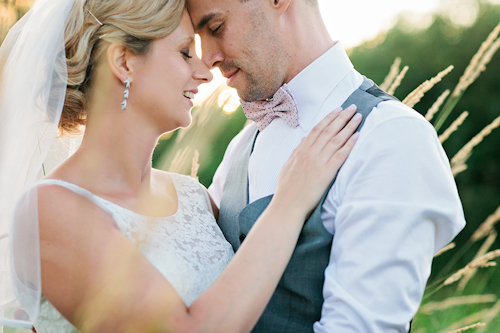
<point x="242" y="237"/>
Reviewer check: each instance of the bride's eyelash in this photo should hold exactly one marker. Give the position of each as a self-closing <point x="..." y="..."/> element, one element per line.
<point x="186" y="54"/>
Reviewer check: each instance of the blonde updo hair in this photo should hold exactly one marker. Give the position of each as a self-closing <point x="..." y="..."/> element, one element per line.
<point x="132" y="23"/>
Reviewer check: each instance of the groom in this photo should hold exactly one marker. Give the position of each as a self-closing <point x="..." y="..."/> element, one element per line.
<point x="364" y="256"/>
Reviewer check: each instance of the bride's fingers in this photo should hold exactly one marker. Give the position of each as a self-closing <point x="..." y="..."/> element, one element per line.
<point x="322" y="134"/>
<point x="326" y="131"/>
<point x="335" y="142"/>
<point x="311" y="138"/>
<point x="339" y="157"/>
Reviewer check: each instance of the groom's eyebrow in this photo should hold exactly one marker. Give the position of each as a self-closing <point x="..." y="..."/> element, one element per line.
<point x="205" y="19"/>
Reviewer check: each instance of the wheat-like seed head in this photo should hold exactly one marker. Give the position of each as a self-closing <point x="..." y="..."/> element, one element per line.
<point x="456" y="169"/>
<point x="463" y="154"/>
<point x="468" y="327"/>
<point x="472" y="318"/>
<point x="416" y="95"/>
<point x="482" y="261"/>
<point x="195" y="165"/>
<point x="450" y="302"/>
<point x="480" y="67"/>
<point x="437" y="104"/>
<point x="487" y="226"/>
<point x="444" y="249"/>
<point x="397" y="81"/>
<point x="485" y="247"/>
<point x="491" y="314"/>
<point x="477" y="63"/>
<point x="393" y="73"/>
<point x="453" y="127"/>
<point x="179" y="159"/>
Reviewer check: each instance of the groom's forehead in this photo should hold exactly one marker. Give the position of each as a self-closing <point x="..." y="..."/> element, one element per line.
<point x="202" y="11"/>
<point x="205" y="6"/>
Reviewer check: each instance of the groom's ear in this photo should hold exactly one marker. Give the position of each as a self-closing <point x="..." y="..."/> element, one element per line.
<point x="281" y="5"/>
<point x="121" y="61"/>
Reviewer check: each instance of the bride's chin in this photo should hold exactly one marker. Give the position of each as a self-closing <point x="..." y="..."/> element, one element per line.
<point x="186" y="122"/>
<point x="180" y="124"/>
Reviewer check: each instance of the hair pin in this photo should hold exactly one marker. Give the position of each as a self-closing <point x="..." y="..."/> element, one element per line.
<point x="100" y="23"/>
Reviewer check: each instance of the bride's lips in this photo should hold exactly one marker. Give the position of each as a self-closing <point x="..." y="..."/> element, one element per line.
<point x="189" y="95"/>
<point x="231" y="76"/>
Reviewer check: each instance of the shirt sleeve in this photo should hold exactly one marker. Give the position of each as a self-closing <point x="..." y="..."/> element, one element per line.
<point x="393" y="206"/>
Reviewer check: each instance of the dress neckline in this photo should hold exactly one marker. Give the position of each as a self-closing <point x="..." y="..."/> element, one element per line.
<point x="84" y="192"/>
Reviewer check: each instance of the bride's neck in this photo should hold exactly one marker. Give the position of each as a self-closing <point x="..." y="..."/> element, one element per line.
<point x="116" y="152"/>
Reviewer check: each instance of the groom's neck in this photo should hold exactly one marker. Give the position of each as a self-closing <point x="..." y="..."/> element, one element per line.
<point x="306" y="36"/>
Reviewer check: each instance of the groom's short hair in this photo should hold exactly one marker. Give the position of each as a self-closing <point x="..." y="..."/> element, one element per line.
<point x="310" y="2"/>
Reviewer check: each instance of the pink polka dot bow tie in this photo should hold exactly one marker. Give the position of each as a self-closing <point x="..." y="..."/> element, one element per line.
<point x="282" y="105"/>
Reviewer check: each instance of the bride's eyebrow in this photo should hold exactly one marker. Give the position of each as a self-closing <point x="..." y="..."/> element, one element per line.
<point x="187" y="40"/>
<point x="205" y="19"/>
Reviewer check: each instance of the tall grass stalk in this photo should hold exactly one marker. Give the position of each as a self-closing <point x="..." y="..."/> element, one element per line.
<point x="393" y="73"/>
<point x="476" y="66"/>
<point x="437" y="104"/>
<point x="453" y="127"/>
<point x="466" y="322"/>
<point x="398" y="80"/>
<point x="487" y="244"/>
<point x="463" y="329"/>
<point x="416" y="95"/>
<point x="431" y="307"/>
<point x="458" y="161"/>
<point x="487" y="226"/>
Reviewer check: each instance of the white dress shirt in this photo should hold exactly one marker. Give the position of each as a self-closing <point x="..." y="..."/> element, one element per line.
<point x="393" y="206"/>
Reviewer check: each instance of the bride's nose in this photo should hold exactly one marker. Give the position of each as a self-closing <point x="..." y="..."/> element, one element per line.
<point x="201" y="72"/>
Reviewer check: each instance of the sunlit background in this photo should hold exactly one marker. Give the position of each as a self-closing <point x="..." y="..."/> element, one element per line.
<point x="427" y="36"/>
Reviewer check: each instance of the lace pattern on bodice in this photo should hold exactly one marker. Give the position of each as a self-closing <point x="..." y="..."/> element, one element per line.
<point x="188" y="248"/>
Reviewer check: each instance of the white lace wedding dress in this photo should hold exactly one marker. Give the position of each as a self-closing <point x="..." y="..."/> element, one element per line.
<point x="188" y="248"/>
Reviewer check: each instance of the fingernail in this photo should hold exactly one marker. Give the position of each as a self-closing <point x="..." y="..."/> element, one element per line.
<point x="357" y="116"/>
<point x="337" y="110"/>
<point x="350" y="108"/>
<point x="355" y="136"/>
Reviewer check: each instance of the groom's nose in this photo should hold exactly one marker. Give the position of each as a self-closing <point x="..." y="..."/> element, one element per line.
<point x="210" y="53"/>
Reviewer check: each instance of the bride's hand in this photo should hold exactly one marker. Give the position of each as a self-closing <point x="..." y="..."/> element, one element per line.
<point x="312" y="166"/>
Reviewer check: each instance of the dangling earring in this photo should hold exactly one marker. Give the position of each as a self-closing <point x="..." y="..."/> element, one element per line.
<point x="125" y="93"/>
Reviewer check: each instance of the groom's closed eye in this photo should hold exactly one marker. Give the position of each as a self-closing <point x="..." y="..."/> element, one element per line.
<point x="206" y="19"/>
<point x="217" y="29"/>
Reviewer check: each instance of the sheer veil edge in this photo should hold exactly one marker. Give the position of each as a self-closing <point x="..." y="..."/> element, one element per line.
<point x="33" y="79"/>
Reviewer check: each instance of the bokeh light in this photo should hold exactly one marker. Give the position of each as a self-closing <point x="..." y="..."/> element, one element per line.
<point x="229" y="100"/>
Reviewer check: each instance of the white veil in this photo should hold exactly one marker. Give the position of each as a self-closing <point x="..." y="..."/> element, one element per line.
<point x="33" y="80"/>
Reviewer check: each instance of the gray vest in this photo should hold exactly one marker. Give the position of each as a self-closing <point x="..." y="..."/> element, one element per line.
<point x="296" y="303"/>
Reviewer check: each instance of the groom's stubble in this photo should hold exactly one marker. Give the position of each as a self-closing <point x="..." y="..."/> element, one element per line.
<point x="262" y="60"/>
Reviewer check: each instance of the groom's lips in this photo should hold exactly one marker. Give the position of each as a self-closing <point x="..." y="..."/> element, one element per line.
<point x="231" y="76"/>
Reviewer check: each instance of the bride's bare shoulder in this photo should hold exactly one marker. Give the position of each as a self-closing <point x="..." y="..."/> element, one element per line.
<point x="64" y="209"/>
<point x="160" y="175"/>
<point x="162" y="179"/>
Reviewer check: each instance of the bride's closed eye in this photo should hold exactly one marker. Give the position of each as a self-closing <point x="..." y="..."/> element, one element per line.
<point x="185" y="54"/>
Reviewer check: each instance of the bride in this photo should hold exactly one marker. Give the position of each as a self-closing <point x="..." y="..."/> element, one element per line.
<point x="104" y="242"/>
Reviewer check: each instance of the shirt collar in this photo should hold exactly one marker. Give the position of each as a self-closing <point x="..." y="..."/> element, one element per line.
<point x="315" y="82"/>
